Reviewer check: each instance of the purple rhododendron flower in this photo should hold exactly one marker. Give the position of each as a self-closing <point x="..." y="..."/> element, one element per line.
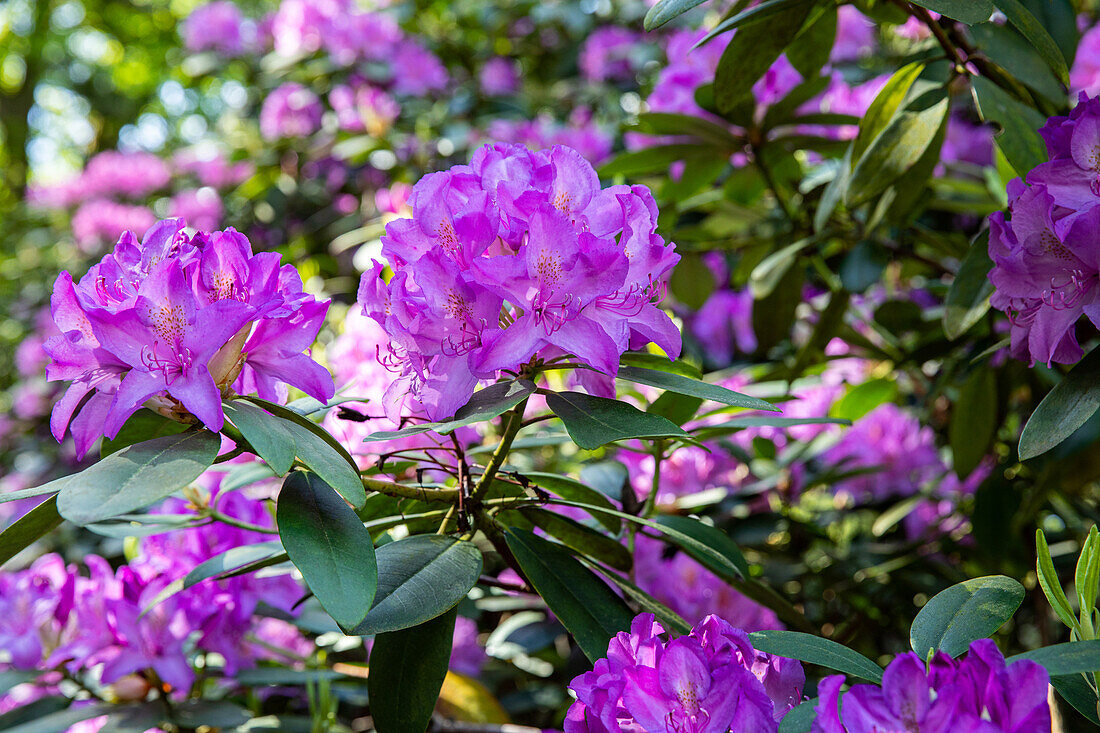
<point x="519" y="255"/>
<point x="99" y="221"/>
<point x="855" y="35"/>
<point x="174" y="323"/>
<point x="211" y="167"/>
<point x="360" y="107"/>
<point x="1085" y="74"/>
<point x="215" y="26"/>
<point x="417" y="70"/>
<point x="606" y="54"/>
<point x="711" y="681"/>
<point x="201" y="208"/>
<point x="499" y="77"/>
<point x="1045" y="262"/>
<point x="291" y="110"/>
<point x="979" y="693"/>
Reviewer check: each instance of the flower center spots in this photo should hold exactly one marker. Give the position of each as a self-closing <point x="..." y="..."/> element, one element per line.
<point x="456" y="306"/>
<point x="688" y="697"/>
<point x="447" y="237"/>
<point x="1055" y="249"/>
<point x="225" y="287"/>
<point x="169" y="321"/>
<point x="548" y="268"/>
<point x="563" y="202"/>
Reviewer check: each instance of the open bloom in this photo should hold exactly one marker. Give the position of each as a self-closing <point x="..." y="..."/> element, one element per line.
<point x="711" y="681"/>
<point x="1045" y="262"/>
<point x="979" y="693"/>
<point x="174" y="323"/>
<point x="517" y="256"/>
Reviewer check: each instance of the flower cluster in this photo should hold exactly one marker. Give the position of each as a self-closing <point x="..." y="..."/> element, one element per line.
<point x="710" y="681"/>
<point x="979" y="693"/>
<point x="55" y="616"/>
<point x="174" y="322"/>
<point x="1045" y="263"/>
<point x="518" y="256"/>
<point x="610" y="54"/>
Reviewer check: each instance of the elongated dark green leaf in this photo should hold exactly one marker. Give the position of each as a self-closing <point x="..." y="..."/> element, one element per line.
<point x="642" y="360"/>
<point x="322" y="453"/>
<point x="1065" y="408"/>
<point x="585" y="605"/>
<point x="666" y="10"/>
<point x="1063" y="659"/>
<point x="694" y="388"/>
<point x="755" y="14"/>
<point x="407" y="669"/>
<point x="811" y="49"/>
<point x="968" y="296"/>
<point x="329" y="545"/>
<point x="1019" y="138"/>
<point x="740" y="423"/>
<point x="137" y="476"/>
<point x="33" y="710"/>
<point x="484" y="405"/>
<point x="964" y="11"/>
<point x="1076" y="691"/>
<point x="576" y="536"/>
<point x="573" y="490"/>
<point x="817" y="650"/>
<point x="1050" y="583"/>
<point x="1010" y="50"/>
<point x="973" y="421"/>
<point x="62" y="720"/>
<point x="595" y="421"/>
<point x="710" y="537"/>
<point x="863" y="398"/>
<point x="963" y="613"/>
<point x="1022" y="20"/>
<point x="884" y="106"/>
<point x="898" y="147"/>
<point x="753" y="50"/>
<point x="269" y="435"/>
<point x="193" y="714"/>
<point x="232" y="559"/>
<point x="419" y="578"/>
<point x="667" y="123"/>
<point x="51" y="488"/>
<point x="29" y="528"/>
<point x="672" y="620"/>
<point x="141" y="426"/>
<point x="651" y="159"/>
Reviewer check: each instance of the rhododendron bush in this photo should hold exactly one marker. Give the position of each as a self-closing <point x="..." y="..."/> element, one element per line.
<point x="647" y="366"/>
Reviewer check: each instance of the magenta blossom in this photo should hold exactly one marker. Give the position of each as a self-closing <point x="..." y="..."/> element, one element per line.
<point x="360" y="107"/>
<point x="711" y="681"/>
<point x="215" y="26"/>
<point x="1045" y="263"/>
<point x="607" y="54"/>
<point x="520" y="255"/>
<point x="499" y="77"/>
<point x="174" y="323"/>
<point x="291" y="110"/>
<point x="979" y="693"/>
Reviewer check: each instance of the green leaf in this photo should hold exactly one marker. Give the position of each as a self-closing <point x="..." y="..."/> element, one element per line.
<point x="573" y="490"/>
<point x="973" y="421"/>
<point x="407" y="669"/>
<point x="584" y="604"/>
<point x="232" y="559"/>
<point x="899" y="146"/>
<point x="963" y="613"/>
<point x="659" y="363"/>
<point x="863" y="266"/>
<point x="62" y="720"/>
<point x="29" y="528"/>
<point x="672" y="620"/>
<point x="964" y="11"/>
<point x="191" y="714"/>
<point x="1022" y="19"/>
<point x="141" y="426"/>
<point x="692" y="282"/>
<point x="1050" y="583"/>
<point x="816" y="650"/>
<point x="1088" y="573"/>
<point x="1065" y="408"/>
<point x="801" y="718"/>
<point x="484" y="405"/>
<point x="767" y="30"/>
<point x="667" y="123"/>
<point x="666" y="10"/>
<point x="1076" y="691"/>
<point x="273" y="440"/>
<point x="51" y="488"/>
<point x="863" y="398"/>
<point x="729" y="427"/>
<point x="419" y="578"/>
<point x="884" y="106"/>
<point x="694" y="388"/>
<point x="1063" y="659"/>
<point x="1011" y="51"/>
<point x="650" y="160"/>
<point x="811" y="49"/>
<point x="329" y="545"/>
<point x="320" y="452"/>
<point x="1019" y="137"/>
<point x="32" y="711"/>
<point x="137" y="476"/>
<point x="968" y="297"/>
<point x="595" y="421"/>
<point x="580" y="538"/>
<point x="712" y="538"/>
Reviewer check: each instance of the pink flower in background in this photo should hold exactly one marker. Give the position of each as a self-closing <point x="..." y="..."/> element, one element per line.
<point x="211" y="167"/>
<point x="132" y="175"/>
<point x="417" y="70"/>
<point x="855" y="35"/>
<point x="1085" y="74"/>
<point x="200" y="208"/>
<point x="292" y="110"/>
<point x="361" y="107"/>
<point x="99" y="221"/>
<point x="216" y="26"/>
<point x="607" y="54"/>
<point x="499" y="77"/>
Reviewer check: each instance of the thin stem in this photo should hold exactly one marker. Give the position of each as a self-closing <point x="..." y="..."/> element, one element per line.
<point x="511" y="429"/>
<point x="447" y="518"/>
<point x="769" y="179"/>
<point x="655" y="486"/>
<point x="226" y="519"/>
<point x="401" y="491"/>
